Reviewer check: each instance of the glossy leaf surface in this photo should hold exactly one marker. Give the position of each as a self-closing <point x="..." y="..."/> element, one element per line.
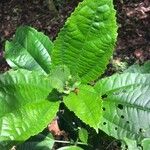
<point x="86" y="104"/>
<point x="126" y="105"/>
<point x="29" y="50"/>
<point x="146" y="144"/>
<point x="24" y="108"/>
<point x="139" y="69"/>
<point x="86" y="42"/>
<point x="40" y="142"/>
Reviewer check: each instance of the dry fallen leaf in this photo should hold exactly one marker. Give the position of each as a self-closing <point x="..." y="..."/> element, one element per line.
<point x="54" y="128"/>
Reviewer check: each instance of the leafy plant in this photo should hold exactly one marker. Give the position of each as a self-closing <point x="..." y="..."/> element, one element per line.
<point x="45" y="73"/>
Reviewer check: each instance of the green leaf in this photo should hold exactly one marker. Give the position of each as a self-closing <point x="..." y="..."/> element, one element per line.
<point x="86" y="42"/>
<point x="29" y="50"/>
<point x="40" y="143"/>
<point x="60" y="74"/>
<point x="63" y="81"/>
<point x="70" y="148"/>
<point x="121" y="81"/>
<point x="83" y="135"/>
<point x="139" y="69"/>
<point x="24" y="108"/>
<point x="146" y="144"/>
<point x="126" y="106"/>
<point x="132" y="144"/>
<point x="86" y="104"/>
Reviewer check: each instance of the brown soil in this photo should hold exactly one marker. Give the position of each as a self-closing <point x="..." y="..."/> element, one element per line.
<point x="134" y="30"/>
<point x="133" y="17"/>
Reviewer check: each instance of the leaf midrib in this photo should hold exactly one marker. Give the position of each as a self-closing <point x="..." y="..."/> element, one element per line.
<point x="40" y="64"/>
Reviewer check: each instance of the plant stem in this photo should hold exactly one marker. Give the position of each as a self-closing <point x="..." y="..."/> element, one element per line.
<point x="68" y="142"/>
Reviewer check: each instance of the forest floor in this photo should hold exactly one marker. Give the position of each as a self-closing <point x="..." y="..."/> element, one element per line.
<point x="133" y="17"/>
<point x="133" y="45"/>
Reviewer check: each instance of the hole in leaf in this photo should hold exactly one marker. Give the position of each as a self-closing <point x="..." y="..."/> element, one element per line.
<point x="140" y="130"/>
<point x="122" y="116"/>
<point x="126" y="146"/>
<point x="127" y="121"/>
<point x="104" y="108"/>
<point x="120" y="106"/>
<point x="104" y="123"/>
<point x="116" y="128"/>
<point x="104" y="96"/>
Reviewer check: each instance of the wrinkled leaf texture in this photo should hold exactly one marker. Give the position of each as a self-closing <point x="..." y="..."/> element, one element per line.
<point x="86" y="105"/>
<point x="24" y="108"/>
<point x="126" y="105"/>
<point x="139" y="69"/>
<point x="29" y="50"/>
<point x="86" y="42"/>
